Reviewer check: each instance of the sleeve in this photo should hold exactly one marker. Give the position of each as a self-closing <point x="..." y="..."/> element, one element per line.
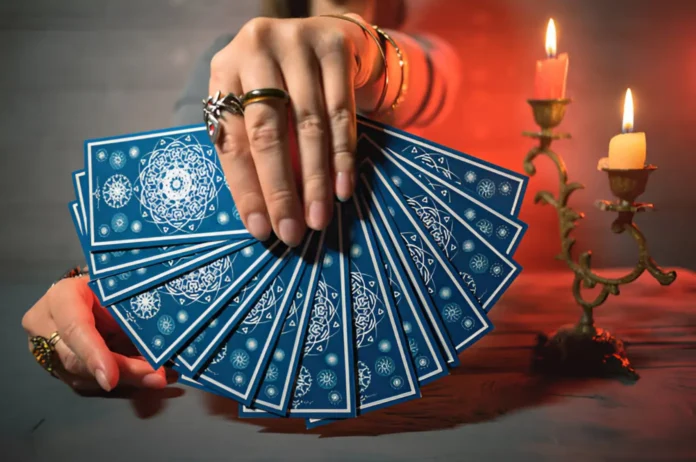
<point x="187" y="109"/>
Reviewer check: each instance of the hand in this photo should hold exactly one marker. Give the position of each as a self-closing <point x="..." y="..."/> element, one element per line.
<point x="86" y="361"/>
<point x="320" y="61"/>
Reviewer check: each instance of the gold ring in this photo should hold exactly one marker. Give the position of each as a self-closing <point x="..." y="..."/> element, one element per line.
<point x="44" y="352"/>
<point x="264" y="94"/>
<point x="54" y="339"/>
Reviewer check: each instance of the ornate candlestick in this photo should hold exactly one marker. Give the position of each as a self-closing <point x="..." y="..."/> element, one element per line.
<point x="584" y="349"/>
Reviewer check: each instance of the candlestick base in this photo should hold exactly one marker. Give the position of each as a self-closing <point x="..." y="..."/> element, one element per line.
<point x="574" y="352"/>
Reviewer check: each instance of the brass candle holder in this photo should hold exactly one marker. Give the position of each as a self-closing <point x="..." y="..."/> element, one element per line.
<point x="584" y="349"/>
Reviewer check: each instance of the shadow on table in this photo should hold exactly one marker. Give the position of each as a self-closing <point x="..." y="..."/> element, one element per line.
<point x="470" y="395"/>
<point x="146" y="403"/>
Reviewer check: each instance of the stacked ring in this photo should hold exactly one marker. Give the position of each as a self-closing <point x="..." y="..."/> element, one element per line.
<point x="44" y="351"/>
<point x="264" y="94"/>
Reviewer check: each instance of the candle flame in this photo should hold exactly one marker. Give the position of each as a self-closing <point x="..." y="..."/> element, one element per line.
<point x="628" y="112"/>
<point x="551" y="39"/>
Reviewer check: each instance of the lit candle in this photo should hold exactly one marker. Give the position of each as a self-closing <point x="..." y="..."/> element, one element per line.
<point x="551" y="73"/>
<point x="627" y="151"/>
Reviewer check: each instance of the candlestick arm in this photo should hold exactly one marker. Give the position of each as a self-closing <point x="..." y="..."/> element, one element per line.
<point x="585" y="277"/>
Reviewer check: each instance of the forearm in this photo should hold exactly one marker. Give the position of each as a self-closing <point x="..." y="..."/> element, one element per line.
<point x="421" y="80"/>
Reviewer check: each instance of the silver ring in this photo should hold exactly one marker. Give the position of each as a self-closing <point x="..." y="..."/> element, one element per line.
<point x="214" y="108"/>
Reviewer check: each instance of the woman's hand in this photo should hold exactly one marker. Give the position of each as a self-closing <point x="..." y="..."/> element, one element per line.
<point x="93" y="350"/>
<point x="320" y="62"/>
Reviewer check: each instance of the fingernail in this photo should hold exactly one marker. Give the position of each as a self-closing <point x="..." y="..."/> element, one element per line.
<point x="344" y="185"/>
<point x="101" y="380"/>
<point x="259" y="226"/>
<point x="317" y="215"/>
<point x="154" y="381"/>
<point x="290" y="231"/>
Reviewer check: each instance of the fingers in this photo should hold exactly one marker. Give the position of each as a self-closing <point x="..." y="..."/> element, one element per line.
<point x="236" y="159"/>
<point x="70" y="307"/>
<point x="338" y="69"/>
<point x="267" y="125"/>
<point x="301" y="72"/>
<point x="137" y="372"/>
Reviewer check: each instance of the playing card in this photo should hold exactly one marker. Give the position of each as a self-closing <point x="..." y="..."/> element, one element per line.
<point x="248" y="347"/>
<point x="502" y="232"/>
<point x="500" y="189"/>
<point x="207" y="343"/>
<point x="105" y="263"/>
<point x="157" y="188"/>
<point x="426" y="356"/>
<point x="160" y="320"/>
<point x="124" y="285"/>
<point x="485" y="271"/>
<point x="277" y="383"/>
<point x="463" y="317"/>
<point x="325" y="382"/>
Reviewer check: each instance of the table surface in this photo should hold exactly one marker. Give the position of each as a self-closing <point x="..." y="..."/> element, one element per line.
<point x="490" y="408"/>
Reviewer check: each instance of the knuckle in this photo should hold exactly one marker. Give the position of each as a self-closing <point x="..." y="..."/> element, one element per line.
<point x="341" y="117"/>
<point x="70" y="330"/>
<point x="310" y="124"/>
<point x="29" y="319"/>
<point x="343" y="159"/>
<point x="280" y="200"/>
<point x="72" y="364"/>
<point x="256" y="30"/>
<point x="294" y="32"/>
<point x="316" y="185"/>
<point x="335" y="41"/>
<point x="265" y="137"/>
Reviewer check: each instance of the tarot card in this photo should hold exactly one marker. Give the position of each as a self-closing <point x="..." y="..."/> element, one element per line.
<point x="105" y="263"/>
<point x="385" y="372"/>
<point x="160" y="321"/>
<point x="206" y="344"/>
<point x="500" y="189"/>
<point x="157" y="188"/>
<point x="426" y="355"/>
<point x="486" y="272"/>
<point x="276" y="385"/>
<point x="248" y="347"/>
<point x="463" y="317"/>
<point x="502" y="232"/>
<point x="325" y="381"/>
<point x="124" y="285"/>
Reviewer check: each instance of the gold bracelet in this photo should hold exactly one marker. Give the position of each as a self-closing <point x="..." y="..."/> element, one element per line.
<point x="403" y="84"/>
<point x="382" y="52"/>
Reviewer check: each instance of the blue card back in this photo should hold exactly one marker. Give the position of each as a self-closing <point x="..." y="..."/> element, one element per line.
<point x="156" y="188"/>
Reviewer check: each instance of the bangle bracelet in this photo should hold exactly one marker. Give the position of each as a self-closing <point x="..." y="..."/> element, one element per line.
<point x="401" y="92"/>
<point x="382" y="53"/>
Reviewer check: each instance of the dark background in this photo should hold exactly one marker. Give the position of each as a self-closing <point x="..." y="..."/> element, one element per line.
<point x="76" y="69"/>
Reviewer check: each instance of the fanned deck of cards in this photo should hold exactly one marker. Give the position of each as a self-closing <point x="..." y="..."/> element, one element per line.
<point x="358" y="317"/>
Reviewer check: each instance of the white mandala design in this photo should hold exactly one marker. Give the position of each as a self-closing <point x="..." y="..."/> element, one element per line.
<point x="467" y="323"/>
<point x="468" y="246"/>
<point x="470" y="214"/>
<point x="327" y="379"/>
<point x="366" y="313"/>
<point x="119" y="222"/>
<point x="496" y="270"/>
<point x="384" y="366"/>
<point x="272" y="373"/>
<point x="239" y="359"/>
<point x="197" y="285"/>
<point x="424" y="260"/>
<point x="166" y="325"/>
<point x="470" y="177"/>
<point x="157" y="342"/>
<point x="485" y="188"/>
<point x="265" y="308"/>
<point x="178" y="185"/>
<point x="452" y="312"/>
<point x="271" y="391"/>
<point x="485" y="226"/>
<point x="478" y="263"/>
<point x="396" y="382"/>
<point x="335" y="398"/>
<point x="413" y="346"/>
<point x="364" y="377"/>
<point x="504" y="188"/>
<point x="146" y="305"/>
<point x="438" y="223"/>
<point x="303" y="382"/>
<point x="117" y="191"/>
<point x="324" y="322"/>
<point x="239" y="379"/>
<point x="422" y="362"/>
<point x="117" y="160"/>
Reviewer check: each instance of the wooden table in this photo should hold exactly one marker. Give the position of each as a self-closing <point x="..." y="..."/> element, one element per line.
<point x="489" y="409"/>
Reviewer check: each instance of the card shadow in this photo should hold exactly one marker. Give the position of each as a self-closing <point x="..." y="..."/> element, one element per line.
<point x="476" y="392"/>
<point x="145" y="403"/>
